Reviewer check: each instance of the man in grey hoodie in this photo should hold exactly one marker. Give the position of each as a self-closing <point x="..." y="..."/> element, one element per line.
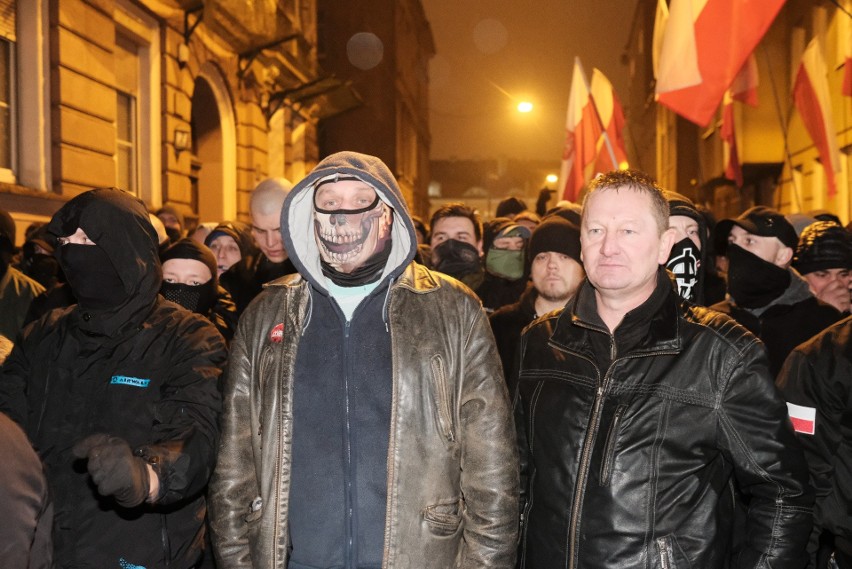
<point x="366" y="420"/>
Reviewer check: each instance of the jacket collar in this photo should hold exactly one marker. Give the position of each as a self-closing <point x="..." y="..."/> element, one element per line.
<point x="415" y="277"/>
<point x="651" y="327"/>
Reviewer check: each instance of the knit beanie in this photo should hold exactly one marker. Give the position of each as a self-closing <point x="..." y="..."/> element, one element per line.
<point x="555" y="234"/>
<point x="823" y="245"/>
<point x="188" y="249"/>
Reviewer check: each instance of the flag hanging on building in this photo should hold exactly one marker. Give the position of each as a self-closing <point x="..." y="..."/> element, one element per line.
<point x="813" y="101"/>
<point x="723" y="34"/>
<point x="611" y="149"/>
<point x="660" y="18"/>
<point x="744" y="87"/>
<point x="733" y="169"/>
<point x="582" y="130"/>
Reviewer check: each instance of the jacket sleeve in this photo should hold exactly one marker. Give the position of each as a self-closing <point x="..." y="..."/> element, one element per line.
<point x="489" y="477"/>
<point x="821" y="379"/>
<point x="768" y="463"/>
<point x="186" y="430"/>
<point x="234" y="480"/>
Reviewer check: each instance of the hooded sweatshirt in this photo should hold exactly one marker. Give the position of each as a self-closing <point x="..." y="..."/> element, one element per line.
<point x="342" y="387"/>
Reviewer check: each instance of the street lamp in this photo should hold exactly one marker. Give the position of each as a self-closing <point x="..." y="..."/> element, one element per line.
<point x="525" y="107"/>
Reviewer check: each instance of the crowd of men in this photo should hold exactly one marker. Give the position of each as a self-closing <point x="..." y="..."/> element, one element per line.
<point x="338" y="384"/>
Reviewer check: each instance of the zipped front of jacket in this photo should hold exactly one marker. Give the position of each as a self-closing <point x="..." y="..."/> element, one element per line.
<point x="590" y="436"/>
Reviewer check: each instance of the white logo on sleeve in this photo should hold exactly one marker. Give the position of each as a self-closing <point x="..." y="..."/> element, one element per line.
<point x="803" y="418"/>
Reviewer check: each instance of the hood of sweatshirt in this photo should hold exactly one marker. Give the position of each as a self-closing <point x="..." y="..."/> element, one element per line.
<point x="297" y="215"/>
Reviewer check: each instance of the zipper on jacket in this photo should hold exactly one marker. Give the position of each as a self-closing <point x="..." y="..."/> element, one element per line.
<point x="350" y="514"/>
<point x="265" y="359"/>
<point x="442" y="399"/>
<point x="666" y="560"/>
<point x="612" y="436"/>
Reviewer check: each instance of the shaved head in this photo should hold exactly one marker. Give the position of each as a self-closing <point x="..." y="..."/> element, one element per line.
<point x="265" y="205"/>
<point x="268" y="196"/>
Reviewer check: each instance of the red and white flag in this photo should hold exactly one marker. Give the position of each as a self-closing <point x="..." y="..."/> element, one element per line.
<point x="582" y="131"/>
<point x="813" y="101"/>
<point x="744" y="87"/>
<point x="705" y="45"/>
<point x="611" y="149"/>
<point x="803" y="418"/>
<point x="733" y="169"/>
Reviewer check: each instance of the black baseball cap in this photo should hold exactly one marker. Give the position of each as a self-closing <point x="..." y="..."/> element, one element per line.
<point x="764" y="222"/>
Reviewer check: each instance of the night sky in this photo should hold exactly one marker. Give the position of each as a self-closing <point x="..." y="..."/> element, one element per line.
<point x="492" y="54"/>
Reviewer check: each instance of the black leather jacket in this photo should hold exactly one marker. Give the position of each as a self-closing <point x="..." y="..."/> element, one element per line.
<point x="627" y="464"/>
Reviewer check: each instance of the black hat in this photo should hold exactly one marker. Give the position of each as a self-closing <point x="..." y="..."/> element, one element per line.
<point x="682" y="205"/>
<point x="502" y="227"/>
<point x="7" y="232"/>
<point x="764" y="222"/>
<point x="509" y="206"/>
<point x="555" y="234"/>
<point x="823" y="245"/>
<point x="189" y="249"/>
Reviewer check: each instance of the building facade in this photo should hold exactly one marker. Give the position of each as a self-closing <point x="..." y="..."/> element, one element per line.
<point x="181" y="102"/>
<point x="781" y="167"/>
<point x="382" y="47"/>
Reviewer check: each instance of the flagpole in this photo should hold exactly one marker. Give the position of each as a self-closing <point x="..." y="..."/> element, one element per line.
<point x="783" y="124"/>
<point x="607" y="141"/>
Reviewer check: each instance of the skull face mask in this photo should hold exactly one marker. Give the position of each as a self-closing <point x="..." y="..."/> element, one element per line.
<point x="348" y="235"/>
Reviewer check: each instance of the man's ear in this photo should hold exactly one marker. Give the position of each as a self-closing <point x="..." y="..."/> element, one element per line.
<point x="666" y="243"/>
<point x="479" y="247"/>
<point x="783" y="257"/>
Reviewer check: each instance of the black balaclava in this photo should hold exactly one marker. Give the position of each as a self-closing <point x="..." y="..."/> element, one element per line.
<point x="346" y="236"/>
<point x="687" y="260"/>
<point x="456" y="258"/>
<point x="92" y="277"/>
<point x="195" y="298"/>
<point x="684" y="263"/>
<point x="753" y="282"/>
<point x="125" y="252"/>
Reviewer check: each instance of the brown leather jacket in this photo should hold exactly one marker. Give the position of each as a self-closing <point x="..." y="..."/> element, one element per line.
<point x="452" y="457"/>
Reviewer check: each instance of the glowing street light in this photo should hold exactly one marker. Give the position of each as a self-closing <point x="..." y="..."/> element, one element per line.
<point x="525" y="107"/>
<point x="551" y="178"/>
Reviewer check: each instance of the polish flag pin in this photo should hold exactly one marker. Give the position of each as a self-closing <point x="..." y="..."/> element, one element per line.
<point x="277" y="333"/>
<point x="803" y="418"/>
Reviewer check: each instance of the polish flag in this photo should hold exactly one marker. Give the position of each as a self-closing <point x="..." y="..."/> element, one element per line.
<point x="582" y="131"/>
<point x="803" y="418"/>
<point x="813" y="101"/>
<point x="744" y="87"/>
<point x="660" y="18"/>
<point x="733" y="169"/>
<point x="705" y="45"/>
<point x="611" y="116"/>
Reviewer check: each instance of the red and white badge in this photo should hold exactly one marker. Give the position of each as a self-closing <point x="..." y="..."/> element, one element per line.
<point x="803" y="418"/>
<point x="277" y="333"/>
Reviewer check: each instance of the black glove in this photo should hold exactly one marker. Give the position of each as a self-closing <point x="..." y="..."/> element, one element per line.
<point x="114" y="469"/>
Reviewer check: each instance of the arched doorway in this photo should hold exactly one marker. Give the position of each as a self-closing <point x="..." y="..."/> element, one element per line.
<point x="214" y="163"/>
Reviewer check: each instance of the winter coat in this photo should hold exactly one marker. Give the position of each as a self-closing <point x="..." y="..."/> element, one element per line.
<point x="443" y="456"/>
<point x="507" y="323"/>
<point x="630" y="441"/>
<point x="817" y="380"/>
<point x="146" y="371"/>
<point x="794" y="317"/>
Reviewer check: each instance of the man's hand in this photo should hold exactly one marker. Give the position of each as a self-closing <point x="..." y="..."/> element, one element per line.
<point x="114" y="469"/>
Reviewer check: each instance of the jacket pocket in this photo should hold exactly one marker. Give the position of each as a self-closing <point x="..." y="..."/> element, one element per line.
<point x="609" y="448"/>
<point x="670" y="554"/>
<point x="444" y="518"/>
<point x="443" y="407"/>
<point x="253" y="519"/>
